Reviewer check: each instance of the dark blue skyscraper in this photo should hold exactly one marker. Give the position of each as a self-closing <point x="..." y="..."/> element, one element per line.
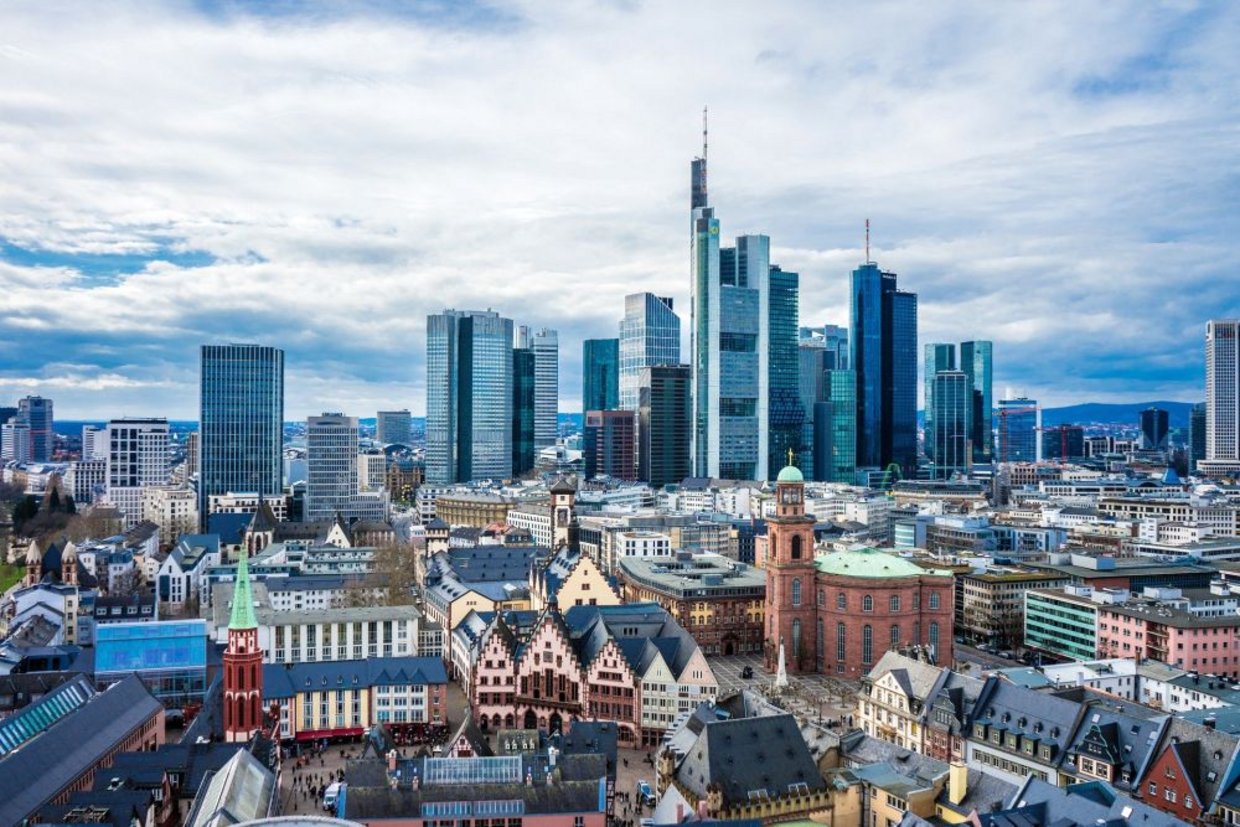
<point x="1196" y="435"/>
<point x="785" y="411"/>
<point x="36" y="413"/>
<point x="600" y="375"/>
<point x="939" y="357"/>
<point x="977" y="362"/>
<point x="1154" y="429"/>
<point x="523" y="452"/>
<point x="241" y="421"/>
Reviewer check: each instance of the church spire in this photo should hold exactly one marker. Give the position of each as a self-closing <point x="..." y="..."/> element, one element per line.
<point x="242" y="616"/>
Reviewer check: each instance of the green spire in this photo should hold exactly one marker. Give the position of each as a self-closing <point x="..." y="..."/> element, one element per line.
<point x="243" y="601"/>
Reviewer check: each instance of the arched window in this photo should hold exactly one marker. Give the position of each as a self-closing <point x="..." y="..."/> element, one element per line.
<point x="253" y="676"/>
<point x="796" y="592"/>
<point x="820" y="642"/>
<point x="841" y="601"/>
<point x="895" y="635"/>
<point x="796" y="638"/>
<point x="934" y="639"/>
<point x="934" y="600"/>
<point x="822" y="597"/>
<point x="867" y="603"/>
<point x="867" y="644"/>
<point x="895" y="603"/>
<point x="796" y="546"/>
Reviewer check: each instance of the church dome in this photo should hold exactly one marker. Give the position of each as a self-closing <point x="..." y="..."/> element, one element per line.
<point x="790" y="474"/>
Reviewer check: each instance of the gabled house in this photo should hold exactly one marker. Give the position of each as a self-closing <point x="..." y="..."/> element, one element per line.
<point x="894" y="698"/>
<point x="947" y="719"/>
<point x="570" y="578"/>
<point x="1193" y="767"/>
<point x="1114" y="742"/>
<point x="1018" y="733"/>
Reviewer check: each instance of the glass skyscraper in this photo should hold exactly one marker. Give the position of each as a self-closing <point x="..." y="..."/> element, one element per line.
<point x="835" y="429"/>
<point x="811" y="362"/>
<point x="331" y="466"/>
<point x="523" y="451"/>
<point x="939" y="357"/>
<point x="241" y="421"/>
<point x="977" y="362"/>
<point x="468" y="396"/>
<point x="649" y="335"/>
<point x="952" y="399"/>
<point x="1019" y="423"/>
<point x="600" y="375"/>
<point x="36" y="412"/>
<point x="1196" y="435"/>
<point x="1154" y="429"/>
<point x="545" y="345"/>
<point x="394" y="427"/>
<point x="663" y="429"/>
<point x="785" y="413"/>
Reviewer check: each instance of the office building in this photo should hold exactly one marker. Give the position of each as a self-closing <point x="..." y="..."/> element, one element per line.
<point x="785" y="413"/>
<point x="649" y="335"/>
<point x="884" y="355"/>
<point x="36" y="411"/>
<point x="394" y="427"/>
<point x="545" y="345"/>
<point x="469" y="392"/>
<point x="1063" y="442"/>
<point x="610" y="444"/>
<point x="1153" y="429"/>
<point x="241" y="422"/>
<point x="523" y="451"/>
<point x="15" y="442"/>
<point x="836" y="340"/>
<point x="1020" y="421"/>
<point x="664" y="428"/>
<point x="1196" y="435"/>
<point x="331" y="466"/>
<point x="811" y="385"/>
<point x="137" y="454"/>
<point x="977" y="362"/>
<point x="600" y="375"/>
<point x="1222" y="397"/>
<point x="835" y="424"/>
<point x="939" y="357"/>
<point x="93" y="445"/>
<point x="948" y="436"/>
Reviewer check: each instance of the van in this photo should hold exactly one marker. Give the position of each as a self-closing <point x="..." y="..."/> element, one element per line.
<point x="330" y="796"/>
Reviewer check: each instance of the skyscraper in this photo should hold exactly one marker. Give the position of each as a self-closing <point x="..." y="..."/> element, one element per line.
<point x="331" y="466"/>
<point x="15" y="444"/>
<point x="1196" y="435"/>
<point x="649" y="335"/>
<point x="664" y="428"/>
<point x="241" y="421"/>
<point x="835" y="429"/>
<point x="524" y="454"/>
<point x="884" y="355"/>
<point x="468" y="396"/>
<point x="93" y="444"/>
<point x="1019" y="422"/>
<point x="939" y="357"/>
<point x="546" y="347"/>
<point x="1063" y="442"/>
<point x="812" y="376"/>
<point x="785" y="414"/>
<point x="1154" y="429"/>
<point x="137" y="455"/>
<point x="394" y="427"/>
<point x="610" y="447"/>
<point x="1222" y="397"/>
<point x="600" y="375"/>
<point x="952" y="398"/>
<point x="977" y="362"/>
<point x="36" y="411"/>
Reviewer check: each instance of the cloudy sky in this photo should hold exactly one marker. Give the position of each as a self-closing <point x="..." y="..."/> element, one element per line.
<point x="1061" y="178"/>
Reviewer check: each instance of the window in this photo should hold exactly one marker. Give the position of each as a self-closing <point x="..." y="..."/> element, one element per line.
<point x="796" y="638"/>
<point x="796" y="546"/>
<point x="839" y="643"/>
<point x="867" y="644"/>
<point x="841" y="601"/>
<point x="822" y="597"/>
<point x="895" y="603"/>
<point x="934" y="638"/>
<point x="895" y="635"/>
<point x="867" y="603"/>
<point x="934" y="600"/>
<point x="796" y="591"/>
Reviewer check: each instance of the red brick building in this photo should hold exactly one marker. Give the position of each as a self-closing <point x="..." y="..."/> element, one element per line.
<point x="838" y="613"/>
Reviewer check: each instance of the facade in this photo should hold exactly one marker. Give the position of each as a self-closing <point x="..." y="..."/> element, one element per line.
<point x="1223" y="390"/>
<point x="835" y="429"/>
<point x="169" y="656"/>
<point x="649" y="336"/>
<point x="88" y="477"/>
<point x="545" y="345"/>
<point x="785" y="413"/>
<point x="664" y="424"/>
<point x="331" y="466"/>
<point x="600" y="375"/>
<point x="174" y="510"/>
<point x="895" y="698"/>
<point x="469" y="396"/>
<point x="523" y="450"/>
<point x="977" y="362"/>
<point x="1062" y="622"/>
<point x="1019" y="423"/>
<point x="394" y="427"/>
<point x="137" y="451"/>
<point x="610" y="444"/>
<point x="811" y="386"/>
<point x="570" y="578"/>
<point x="884" y="356"/>
<point x="938" y="357"/>
<point x="990" y="606"/>
<point x="35" y="412"/>
<point x="1063" y="442"/>
<point x="948" y="430"/>
<point x="241" y="422"/>
<point x="837" y="613"/>
<point x="1196" y="435"/>
<point x="1173" y="635"/>
<point x="15" y="441"/>
<point x="1154" y="429"/>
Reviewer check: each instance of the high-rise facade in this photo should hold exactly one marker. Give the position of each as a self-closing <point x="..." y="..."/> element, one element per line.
<point x="93" y="445"/>
<point x="977" y="362"/>
<point x="1065" y="442"/>
<point x="952" y="398"/>
<point x="468" y="396"/>
<point x="812" y="376"/>
<point x="649" y="335"/>
<point x="137" y="455"/>
<point x="15" y="443"/>
<point x="1222" y="394"/>
<point x="610" y="444"/>
<point x="1196" y="435"/>
<point x="394" y="427"/>
<point x="883" y="352"/>
<point x="1154" y="428"/>
<point x="545" y="345"/>
<point x="331" y="466"/>
<point x="939" y="357"/>
<point x="1020" y="420"/>
<point x="600" y="375"/>
<point x="36" y="412"/>
<point x="785" y="413"/>
<point x="241" y="421"/>
<point x="524" y="454"/>
<point x="664" y="428"/>
<point x="835" y="429"/>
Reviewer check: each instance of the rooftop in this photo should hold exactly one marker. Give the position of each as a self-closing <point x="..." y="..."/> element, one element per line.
<point x="871" y="563"/>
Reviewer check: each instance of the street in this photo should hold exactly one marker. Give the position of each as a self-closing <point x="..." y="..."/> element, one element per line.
<point x="809" y="696"/>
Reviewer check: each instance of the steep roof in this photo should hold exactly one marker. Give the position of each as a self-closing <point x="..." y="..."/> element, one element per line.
<point x="242" y="616"/>
<point x="764" y="753"/>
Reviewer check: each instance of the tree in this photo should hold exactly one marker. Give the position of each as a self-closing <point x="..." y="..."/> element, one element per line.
<point x="391" y="580"/>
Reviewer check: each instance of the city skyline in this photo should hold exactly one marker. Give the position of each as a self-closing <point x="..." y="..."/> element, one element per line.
<point x="1032" y="173"/>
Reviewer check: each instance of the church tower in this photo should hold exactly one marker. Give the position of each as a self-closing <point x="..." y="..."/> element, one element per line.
<point x="243" y="662"/>
<point x="34" y="564"/>
<point x="563" y="495"/>
<point x="791" y="613"/>
<point x="69" y="565"/>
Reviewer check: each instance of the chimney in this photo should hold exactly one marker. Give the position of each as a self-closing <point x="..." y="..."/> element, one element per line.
<point x="391" y="760"/>
<point x="680" y="811"/>
<point x="957" y="782"/>
<point x="1210" y="722"/>
<point x="701" y="808"/>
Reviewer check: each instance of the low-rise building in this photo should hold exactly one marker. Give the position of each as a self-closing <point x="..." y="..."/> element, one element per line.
<point x="570" y="578"/>
<point x="478" y="509"/>
<point x="173" y="508"/>
<point x="894" y="699"/>
<point x="169" y="656"/>
<point x="990" y="605"/>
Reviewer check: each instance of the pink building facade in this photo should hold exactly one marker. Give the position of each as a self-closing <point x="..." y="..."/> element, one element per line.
<point x="1209" y="645"/>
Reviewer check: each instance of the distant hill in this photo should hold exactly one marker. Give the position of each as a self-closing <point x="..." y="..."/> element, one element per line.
<point x="1124" y="413"/>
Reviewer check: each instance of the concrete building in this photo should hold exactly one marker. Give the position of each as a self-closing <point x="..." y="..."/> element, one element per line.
<point x="137" y="452"/>
<point x="394" y="427"/>
<point x="331" y="466"/>
<point x="173" y="509"/>
<point x="610" y="444"/>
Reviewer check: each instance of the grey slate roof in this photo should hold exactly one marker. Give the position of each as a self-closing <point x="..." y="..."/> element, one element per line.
<point x="1206" y="755"/>
<point x="280" y="681"/>
<point x="749" y="754"/>
<point x="1039" y="804"/>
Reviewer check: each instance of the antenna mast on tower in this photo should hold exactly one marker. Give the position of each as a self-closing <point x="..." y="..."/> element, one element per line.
<point x="867" y="241"/>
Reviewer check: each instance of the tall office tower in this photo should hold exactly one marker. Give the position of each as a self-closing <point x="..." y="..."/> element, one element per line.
<point x="1222" y="395"/>
<point x="1063" y="442"/>
<point x="36" y="411"/>
<point x="1196" y="435"/>
<point x="785" y="414"/>
<point x="649" y="335"/>
<point x="1020" y="420"/>
<point x="331" y="466"/>
<point x="664" y="424"/>
<point x="952" y="400"/>
<point x="836" y="339"/>
<point x="977" y="362"/>
<point x="191" y="455"/>
<point x="1154" y="429"/>
<point x="524" y="454"/>
<point x="835" y="429"/>
<point x="93" y="444"/>
<point x="884" y="355"/>
<point x="468" y="396"/>
<point x="137" y="456"/>
<point x="394" y="427"/>
<point x="812" y="376"/>
<point x="939" y="357"/>
<point x="240" y="422"/>
<point x="15" y="443"/>
<point x="600" y="375"/>
<point x="546" y="346"/>
<point x="610" y="444"/>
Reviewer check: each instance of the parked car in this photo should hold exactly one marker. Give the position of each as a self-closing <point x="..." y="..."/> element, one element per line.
<point x="644" y="794"/>
<point x="747" y="673"/>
